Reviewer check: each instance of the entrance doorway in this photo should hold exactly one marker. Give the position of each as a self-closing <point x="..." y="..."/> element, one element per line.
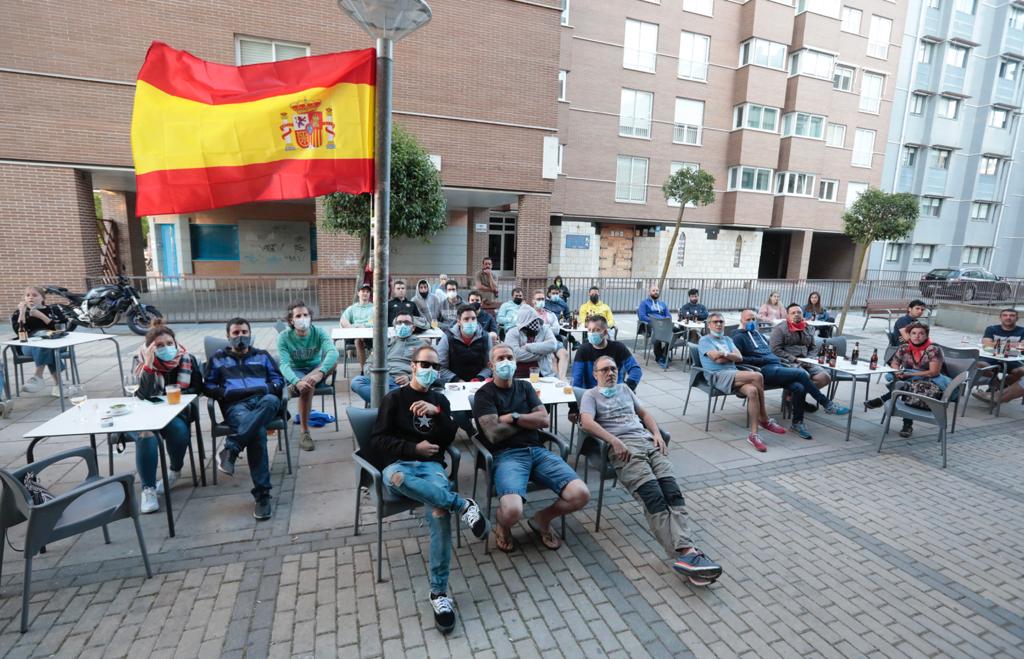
<point x="501" y="243"/>
<point x="169" y="251"/>
<point x="774" y="255"/>
<point x="616" y="258"/>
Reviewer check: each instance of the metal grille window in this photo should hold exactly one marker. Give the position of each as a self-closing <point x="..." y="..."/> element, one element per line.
<point x="631" y="180"/>
<point x="693" y="55"/>
<point x="635" y="113"/>
<point x="871" y="86"/>
<point x="689" y="121"/>
<point x="640" y="50"/>
<point x="878" y="37"/>
<point x="863" y="147"/>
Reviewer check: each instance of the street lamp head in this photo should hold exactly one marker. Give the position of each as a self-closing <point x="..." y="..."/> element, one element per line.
<point x="387" y="19"/>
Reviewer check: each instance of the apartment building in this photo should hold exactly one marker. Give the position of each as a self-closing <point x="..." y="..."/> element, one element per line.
<point x="786" y="103"/>
<point x="474" y="86"/>
<point x="955" y="138"/>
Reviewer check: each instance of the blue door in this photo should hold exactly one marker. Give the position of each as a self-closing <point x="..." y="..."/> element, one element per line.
<point x="168" y="251"/>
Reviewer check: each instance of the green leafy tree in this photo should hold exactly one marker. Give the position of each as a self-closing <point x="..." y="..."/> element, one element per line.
<point x="876" y="215"/>
<point x="686" y="186"/>
<point x="417" y="202"/>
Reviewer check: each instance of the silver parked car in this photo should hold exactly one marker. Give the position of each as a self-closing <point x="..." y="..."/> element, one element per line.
<point x="964" y="284"/>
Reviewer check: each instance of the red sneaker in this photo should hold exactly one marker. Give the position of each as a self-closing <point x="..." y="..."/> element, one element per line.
<point x="756" y="442"/>
<point x="771" y="426"/>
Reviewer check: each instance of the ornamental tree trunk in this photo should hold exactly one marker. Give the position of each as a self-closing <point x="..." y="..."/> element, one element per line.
<point x="858" y="265"/>
<point x="671" y="247"/>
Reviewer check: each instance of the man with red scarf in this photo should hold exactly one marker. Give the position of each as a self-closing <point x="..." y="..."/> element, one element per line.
<point x="792" y="340"/>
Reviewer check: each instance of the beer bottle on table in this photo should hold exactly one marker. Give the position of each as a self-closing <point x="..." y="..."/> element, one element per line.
<point x="833" y="356"/>
<point x="1006" y="348"/>
<point x="821" y="354"/>
<point x="874" y="360"/>
<point x="22" y="332"/>
<point x="996" y="348"/>
<point x="855" y="355"/>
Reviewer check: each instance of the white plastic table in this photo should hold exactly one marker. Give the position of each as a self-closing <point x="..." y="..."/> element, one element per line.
<point x="862" y="369"/>
<point x="1004" y="361"/>
<point x="144" y="416"/>
<point x="458" y="393"/>
<point x="70" y="341"/>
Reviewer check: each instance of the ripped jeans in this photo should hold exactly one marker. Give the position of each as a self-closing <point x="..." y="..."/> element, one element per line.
<point x="428" y="483"/>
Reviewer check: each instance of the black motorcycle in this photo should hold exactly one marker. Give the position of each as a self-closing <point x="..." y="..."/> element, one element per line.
<point x="105" y="305"/>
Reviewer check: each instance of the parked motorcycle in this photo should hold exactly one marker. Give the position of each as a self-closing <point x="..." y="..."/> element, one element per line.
<point x="105" y="305"/>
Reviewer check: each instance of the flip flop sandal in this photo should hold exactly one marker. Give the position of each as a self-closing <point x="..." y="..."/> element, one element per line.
<point x="549" y="539"/>
<point x="506" y="538"/>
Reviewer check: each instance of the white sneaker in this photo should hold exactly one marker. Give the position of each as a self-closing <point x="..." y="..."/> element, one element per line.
<point x="33" y="384"/>
<point x="150" y="504"/>
<point x="6" y="408"/>
<point x="55" y="391"/>
<point x="172" y="477"/>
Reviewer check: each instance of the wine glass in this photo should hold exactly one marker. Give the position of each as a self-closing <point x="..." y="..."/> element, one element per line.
<point x="78" y="396"/>
<point x="131" y="385"/>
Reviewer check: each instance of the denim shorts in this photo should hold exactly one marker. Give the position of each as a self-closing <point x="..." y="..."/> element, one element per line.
<point x="515" y="467"/>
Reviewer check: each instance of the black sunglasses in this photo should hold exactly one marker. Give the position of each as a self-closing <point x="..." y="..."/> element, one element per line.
<point x="426" y="364"/>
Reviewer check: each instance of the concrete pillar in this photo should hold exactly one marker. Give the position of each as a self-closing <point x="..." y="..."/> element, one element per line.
<point x="476" y="243"/>
<point x="533" y="240"/>
<point x="120" y="208"/>
<point x="799" y="254"/>
<point x="337" y="267"/>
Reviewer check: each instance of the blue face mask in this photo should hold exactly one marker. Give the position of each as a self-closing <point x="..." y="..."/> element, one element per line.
<point x="426" y="376"/>
<point x="505" y="369"/>
<point x="166" y="353"/>
<point x="751" y="326"/>
<point x="404" y="331"/>
<point x="608" y="392"/>
<point x="595" y="338"/>
<point x="469" y="328"/>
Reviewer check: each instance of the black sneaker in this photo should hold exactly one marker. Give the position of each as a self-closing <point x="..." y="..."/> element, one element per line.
<point x="874" y="404"/>
<point x="444" y="612"/>
<point x="263" y="509"/>
<point x="474" y="519"/>
<point x="226" y="461"/>
<point x="700" y="569"/>
<point x="907" y="430"/>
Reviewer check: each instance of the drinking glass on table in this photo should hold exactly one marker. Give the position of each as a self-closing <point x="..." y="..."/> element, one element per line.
<point x="173" y="392"/>
<point x="78" y="396"/>
<point x="534" y="375"/>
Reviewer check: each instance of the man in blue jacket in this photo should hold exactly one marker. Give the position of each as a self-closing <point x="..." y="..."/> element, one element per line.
<point x="756" y="352"/>
<point x="599" y="345"/>
<point x="248" y="384"/>
<point x="652" y="308"/>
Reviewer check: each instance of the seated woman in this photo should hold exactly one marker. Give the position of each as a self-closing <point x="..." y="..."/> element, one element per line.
<point x="38" y="317"/>
<point x="920" y="359"/>
<point x="814" y="310"/>
<point x="772" y="310"/>
<point x="163" y="361"/>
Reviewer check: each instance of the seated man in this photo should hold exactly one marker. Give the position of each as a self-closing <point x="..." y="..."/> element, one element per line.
<point x="718" y="357"/>
<point x="595" y="307"/>
<point x="550" y="318"/>
<point x="557" y="305"/>
<point x="400" y="350"/>
<point x="425" y="301"/>
<point x="599" y="345"/>
<point x="509" y="311"/>
<point x="483" y="317"/>
<point x="693" y="308"/>
<point x="509" y="414"/>
<point x="915" y="310"/>
<point x="360" y="314"/>
<point x="448" y="313"/>
<point x="651" y="308"/>
<point x="399" y="304"/>
<point x="247" y="384"/>
<point x="534" y="345"/>
<point x="414" y="427"/>
<point x="1007" y="331"/>
<point x="307" y="357"/>
<point x="464" y="350"/>
<point x="612" y="413"/>
<point x="793" y="339"/>
<point x="756" y="352"/>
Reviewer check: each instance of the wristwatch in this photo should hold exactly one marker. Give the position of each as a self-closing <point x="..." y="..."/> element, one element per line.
<point x="515" y="418"/>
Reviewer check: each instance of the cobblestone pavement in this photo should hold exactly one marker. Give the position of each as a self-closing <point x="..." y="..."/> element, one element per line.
<point x="829" y="549"/>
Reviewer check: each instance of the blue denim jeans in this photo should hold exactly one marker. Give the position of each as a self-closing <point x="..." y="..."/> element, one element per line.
<point x="248" y="419"/>
<point x="43" y="357"/>
<point x="798" y="382"/>
<point x="361" y="385"/>
<point x="176" y="435"/>
<point x="428" y="483"/>
<point x="514" y="468"/>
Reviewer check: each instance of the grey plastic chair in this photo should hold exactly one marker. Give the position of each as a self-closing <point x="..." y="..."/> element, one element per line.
<point x="936" y="414"/>
<point x="958" y="360"/>
<point x="663" y="330"/>
<point x="699" y="380"/>
<point x="92" y="504"/>
<point x="386" y="503"/>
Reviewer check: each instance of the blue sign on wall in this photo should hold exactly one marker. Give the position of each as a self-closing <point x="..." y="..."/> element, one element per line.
<point x="577" y="241"/>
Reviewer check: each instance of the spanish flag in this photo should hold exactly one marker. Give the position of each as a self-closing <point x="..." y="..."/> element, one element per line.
<point x="208" y="135"/>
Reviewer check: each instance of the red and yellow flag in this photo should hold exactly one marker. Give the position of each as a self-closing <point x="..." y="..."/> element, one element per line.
<point x="208" y="135"/>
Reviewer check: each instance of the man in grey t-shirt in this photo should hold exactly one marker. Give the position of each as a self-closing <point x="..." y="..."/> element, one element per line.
<point x="612" y="413"/>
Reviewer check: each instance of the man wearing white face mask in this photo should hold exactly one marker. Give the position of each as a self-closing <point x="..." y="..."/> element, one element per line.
<point x="463" y="350"/>
<point x="400" y="350"/>
<point x="307" y="356"/>
<point x="599" y="345"/>
<point x="613" y="414"/>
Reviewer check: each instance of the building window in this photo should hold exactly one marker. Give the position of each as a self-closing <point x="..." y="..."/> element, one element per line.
<point x="561" y="158"/>
<point x="763" y="53"/>
<point x="949" y="107"/>
<point x="981" y="211"/>
<point x="758" y="117"/>
<point x="842" y="79"/>
<point x="1016" y="18"/>
<point x="940" y="158"/>
<point x="689" y="121"/>
<point x="917" y="103"/>
<point x="214" y="242"/>
<point x="965" y="6"/>
<point x="754" y="179"/>
<point x="931" y="206"/>
<point x="812" y="63"/>
<point x="251" y="50"/>
<point x="975" y="255"/>
<point x="956" y="55"/>
<point x="635" y="113"/>
<point x="672" y="169"/>
<point x="871" y="86"/>
<point x="998" y="118"/>
<point x="863" y="147"/>
<point x="640" y="49"/>
<point x="910" y="156"/>
<point x="925" y="50"/>
<point x="923" y="253"/>
<point x="935" y="4"/>
<point x="794" y="183"/>
<point x="631" y="180"/>
<point x="705" y="7"/>
<point x="854" y="191"/>
<point x="835" y="135"/>
<point x="989" y="166"/>
<point x="828" y="189"/>
<point x="1008" y="69"/>
<point x="802" y="124"/>
<point x="693" y="55"/>
<point x="851" y="20"/>
<point x="878" y="37"/>
<point x="823" y="7"/>
<point x="893" y="252"/>
<point x="562" y="80"/>
<point x="565" y="12"/>
<point x="737" y="255"/>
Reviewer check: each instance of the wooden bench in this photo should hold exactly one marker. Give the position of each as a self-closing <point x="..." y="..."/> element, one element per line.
<point x="887" y="309"/>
